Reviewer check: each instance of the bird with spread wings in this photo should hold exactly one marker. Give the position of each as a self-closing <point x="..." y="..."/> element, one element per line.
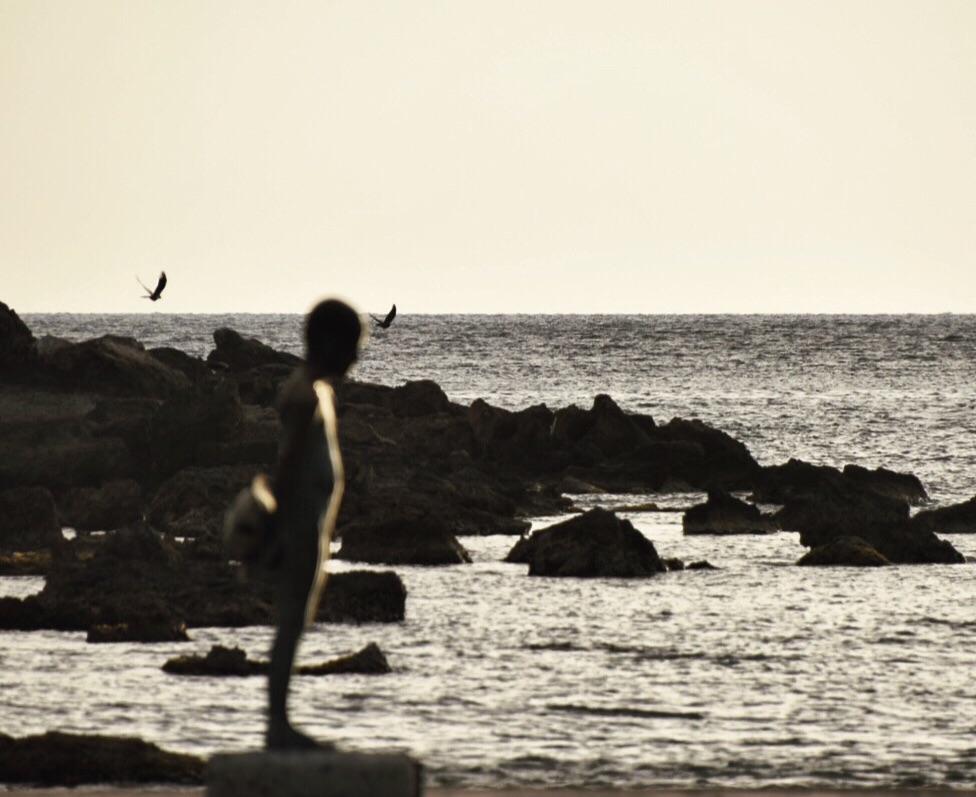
<point x="153" y="295"/>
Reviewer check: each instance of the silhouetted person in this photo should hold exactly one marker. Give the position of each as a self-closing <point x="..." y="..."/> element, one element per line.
<point x="153" y="295"/>
<point x="385" y="322"/>
<point x="287" y="526"/>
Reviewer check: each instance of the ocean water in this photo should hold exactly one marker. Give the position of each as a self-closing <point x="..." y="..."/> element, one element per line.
<point x="759" y="673"/>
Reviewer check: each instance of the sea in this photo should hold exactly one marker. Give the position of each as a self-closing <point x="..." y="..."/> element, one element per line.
<point x="756" y="674"/>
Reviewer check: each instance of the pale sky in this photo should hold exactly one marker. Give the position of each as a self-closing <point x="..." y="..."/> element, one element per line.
<point x="540" y="156"/>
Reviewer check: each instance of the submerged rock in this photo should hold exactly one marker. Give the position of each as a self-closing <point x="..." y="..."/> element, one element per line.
<point x="596" y="544"/>
<point x="844" y="551"/>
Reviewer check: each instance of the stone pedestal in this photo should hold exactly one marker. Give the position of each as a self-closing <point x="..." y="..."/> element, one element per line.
<point x="313" y="773"/>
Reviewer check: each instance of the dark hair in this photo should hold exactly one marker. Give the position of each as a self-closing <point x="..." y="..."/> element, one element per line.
<point x="332" y="334"/>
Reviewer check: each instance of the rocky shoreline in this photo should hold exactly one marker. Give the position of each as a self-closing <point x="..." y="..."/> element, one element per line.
<point x="140" y="451"/>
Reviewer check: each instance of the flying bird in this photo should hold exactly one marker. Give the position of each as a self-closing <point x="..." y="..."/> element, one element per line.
<point x="385" y="323"/>
<point x="155" y="294"/>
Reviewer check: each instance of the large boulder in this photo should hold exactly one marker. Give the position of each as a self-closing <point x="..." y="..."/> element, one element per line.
<point x="402" y="540"/>
<point x="723" y="513"/>
<point x="596" y="544"/>
<point x="28" y="520"/>
<point x="113" y="365"/>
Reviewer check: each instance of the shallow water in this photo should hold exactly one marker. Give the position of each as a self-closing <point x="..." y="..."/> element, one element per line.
<point x="759" y="673"/>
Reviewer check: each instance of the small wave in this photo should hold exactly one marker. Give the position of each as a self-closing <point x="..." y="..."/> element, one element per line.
<point x="617" y="711"/>
<point x="557" y="646"/>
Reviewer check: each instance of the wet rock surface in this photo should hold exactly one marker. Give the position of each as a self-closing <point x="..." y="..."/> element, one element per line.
<point x="234" y="662"/>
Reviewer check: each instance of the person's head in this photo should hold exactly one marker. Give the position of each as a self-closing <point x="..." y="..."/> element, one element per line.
<point x="332" y="336"/>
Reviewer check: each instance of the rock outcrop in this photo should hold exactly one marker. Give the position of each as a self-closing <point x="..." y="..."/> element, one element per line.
<point x="402" y="540"/>
<point x="953" y="519"/>
<point x="28" y="520"/>
<point x="596" y="544"/>
<point x="824" y="504"/>
<point x="723" y="513"/>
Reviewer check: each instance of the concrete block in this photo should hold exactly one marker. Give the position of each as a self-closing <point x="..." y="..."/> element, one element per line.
<point x="313" y="773"/>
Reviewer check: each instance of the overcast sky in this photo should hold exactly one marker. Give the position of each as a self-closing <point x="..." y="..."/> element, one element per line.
<point x="489" y="156"/>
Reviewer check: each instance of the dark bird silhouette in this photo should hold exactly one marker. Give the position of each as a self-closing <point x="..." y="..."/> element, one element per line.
<point x="385" y="323"/>
<point x="154" y="295"/>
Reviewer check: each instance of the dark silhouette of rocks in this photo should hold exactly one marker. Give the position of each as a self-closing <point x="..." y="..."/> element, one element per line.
<point x="723" y="513"/>
<point x="824" y="504"/>
<point x="67" y="759"/>
<point x="953" y="519"/>
<point x="112" y="365"/>
<point x="844" y="551"/>
<point x="596" y="544"/>
<point x="136" y="573"/>
<point x="237" y="353"/>
<point x="900" y="486"/>
<point x="402" y="540"/>
<point x="233" y="662"/>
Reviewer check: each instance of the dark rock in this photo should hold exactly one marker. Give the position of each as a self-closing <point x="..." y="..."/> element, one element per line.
<point x="17" y="345"/>
<point x="416" y="399"/>
<point x="115" y="504"/>
<point x="725" y="461"/>
<point x="185" y="425"/>
<point x="135" y="573"/>
<point x="845" y="551"/>
<point x="701" y="565"/>
<point x="113" y="365"/>
<point x="673" y="564"/>
<point x="900" y="486"/>
<point x="596" y="544"/>
<point x="953" y="519"/>
<point x="192" y="502"/>
<point x="571" y="423"/>
<point x="824" y="504"/>
<point x="193" y="368"/>
<point x="46" y="440"/>
<point x="402" y="540"/>
<point x="64" y="759"/>
<point x="221" y="661"/>
<point x="368" y="661"/>
<point x="613" y="431"/>
<point x="725" y="514"/>
<point x="363" y="597"/>
<point x="237" y="353"/>
<point x="28" y="520"/>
